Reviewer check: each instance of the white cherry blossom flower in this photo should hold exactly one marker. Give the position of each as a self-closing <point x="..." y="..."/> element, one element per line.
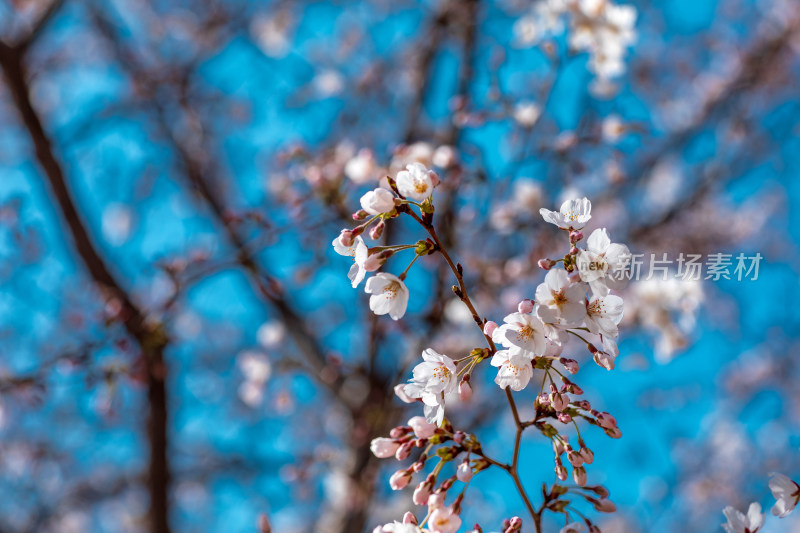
<point x="740" y="523"/>
<point x="378" y="201"/>
<point x="602" y="265"/>
<point x="603" y="314"/>
<point x="416" y="182"/>
<point x="562" y="296"/>
<point x="514" y="370"/>
<point x="432" y="379"/>
<point x="786" y="492"/>
<point x="574" y="214"/>
<point x="444" y="520"/>
<point x="389" y="295"/>
<point x="358" y="250"/>
<point x="521" y="333"/>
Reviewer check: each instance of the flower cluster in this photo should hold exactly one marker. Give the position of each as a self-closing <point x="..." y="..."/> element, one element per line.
<point x="599" y="27"/>
<point x="574" y="301"/>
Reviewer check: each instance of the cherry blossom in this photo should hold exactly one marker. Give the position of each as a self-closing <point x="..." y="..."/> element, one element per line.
<point x="602" y="264"/>
<point x="603" y="314"/>
<point x="563" y="297"/>
<point x="416" y="182"/>
<point x="389" y="295"/>
<point x="444" y="520"/>
<point x="522" y="333"/>
<point x="432" y="379"/>
<point x="740" y="523"/>
<point x="378" y="201"/>
<point x="514" y="370"/>
<point x="786" y="492"/>
<point x="574" y="214"/>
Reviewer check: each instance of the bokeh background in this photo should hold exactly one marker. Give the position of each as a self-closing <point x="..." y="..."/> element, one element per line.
<point x="175" y="327"/>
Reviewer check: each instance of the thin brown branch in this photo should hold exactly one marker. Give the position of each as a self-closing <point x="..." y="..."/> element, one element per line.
<point x="150" y="336"/>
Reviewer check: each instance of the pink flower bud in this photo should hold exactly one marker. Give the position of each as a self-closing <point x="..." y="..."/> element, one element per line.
<point x="464" y="472"/>
<point x="579" y="476"/>
<point x="465" y="389"/>
<point x="404" y="451"/>
<point x="399" y="431"/>
<point x="575" y="459"/>
<point x="383" y="447"/>
<point x="559" y="401"/>
<point x="583" y="404"/>
<point x="360" y="215"/>
<point x="546" y="264"/>
<point x="605" y="506"/>
<point x="459" y="436"/>
<point x="575" y="236"/>
<point x="564" y="418"/>
<point x="606" y="421"/>
<point x="422" y="493"/>
<point x="409" y="518"/>
<point x="489" y="328"/>
<point x="525" y="306"/>
<point x="543" y="399"/>
<point x="614" y="433"/>
<point x="561" y="472"/>
<point x="587" y="454"/>
<point x="574" y="250"/>
<point x="570" y="364"/>
<point x="346" y="237"/>
<point x="377" y="230"/>
<point x="422" y="428"/>
<point x="400" y="479"/>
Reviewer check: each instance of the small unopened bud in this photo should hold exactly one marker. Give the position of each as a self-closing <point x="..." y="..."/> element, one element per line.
<point x="514" y="525"/>
<point x="464" y="472"/>
<point x="404" y="450"/>
<point x="489" y="328"/>
<point x="605" y="506"/>
<point x="574" y="458"/>
<point x="399" y="431"/>
<point x="377" y="230"/>
<point x="422" y="493"/>
<point x="570" y="364"/>
<point x="587" y="454"/>
<point x="465" y="389"/>
<point x="561" y="472"/>
<point x="346" y="237"/>
<point x="579" y="476"/>
<point x="575" y="236"/>
<point x="360" y="215"/>
<point x="400" y="479"/>
<point x="525" y="306"/>
<point x="564" y="418"/>
<point x="546" y="264"/>
<point x="574" y="250"/>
